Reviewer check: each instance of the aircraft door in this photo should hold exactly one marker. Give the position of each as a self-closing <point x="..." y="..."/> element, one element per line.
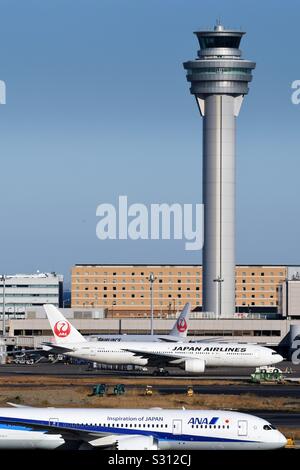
<point x="177" y="426"/>
<point x="242" y="428"/>
<point x="53" y="421"/>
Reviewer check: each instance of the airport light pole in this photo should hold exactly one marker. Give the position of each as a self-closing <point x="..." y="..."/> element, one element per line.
<point x="66" y="300"/>
<point x="151" y="280"/>
<point x="3" y="306"/>
<point x="112" y="308"/>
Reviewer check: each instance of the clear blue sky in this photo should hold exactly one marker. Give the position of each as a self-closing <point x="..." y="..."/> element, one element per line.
<point x="98" y="105"/>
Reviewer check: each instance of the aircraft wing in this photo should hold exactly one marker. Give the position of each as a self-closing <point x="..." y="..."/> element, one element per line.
<point x="67" y="430"/>
<point x="15" y="405"/>
<point x="169" y="339"/>
<point x="174" y="339"/>
<point x="156" y="358"/>
<point x="219" y="339"/>
<point x="105" y="439"/>
<point x="57" y="348"/>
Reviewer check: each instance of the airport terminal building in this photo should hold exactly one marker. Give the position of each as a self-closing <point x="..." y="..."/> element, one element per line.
<point x="20" y="292"/>
<point x="116" y="299"/>
<point x="34" y="328"/>
<point x="124" y="290"/>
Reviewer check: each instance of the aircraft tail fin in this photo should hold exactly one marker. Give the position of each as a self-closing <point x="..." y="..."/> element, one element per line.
<point x="64" y="332"/>
<point x="180" y="328"/>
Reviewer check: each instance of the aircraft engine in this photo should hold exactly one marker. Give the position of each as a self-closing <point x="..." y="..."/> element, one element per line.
<point x="137" y="443"/>
<point x="195" y="366"/>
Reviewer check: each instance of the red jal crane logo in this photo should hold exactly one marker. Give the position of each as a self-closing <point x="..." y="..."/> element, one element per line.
<point x="181" y="325"/>
<point x="62" y="329"/>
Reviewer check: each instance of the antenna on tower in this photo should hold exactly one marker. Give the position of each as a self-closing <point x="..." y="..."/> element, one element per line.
<point x="218" y="26"/>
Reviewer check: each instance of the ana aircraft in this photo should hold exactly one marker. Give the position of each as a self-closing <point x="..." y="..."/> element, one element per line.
<point x="194" y="358"/>
<point x="133" y="429"/>
<point x="178" y="332"/>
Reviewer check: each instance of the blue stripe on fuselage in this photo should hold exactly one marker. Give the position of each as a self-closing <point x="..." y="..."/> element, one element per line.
<point x="160" y="435"/>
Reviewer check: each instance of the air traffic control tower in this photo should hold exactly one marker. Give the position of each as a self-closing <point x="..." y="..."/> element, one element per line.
<point x="219" y="80"/>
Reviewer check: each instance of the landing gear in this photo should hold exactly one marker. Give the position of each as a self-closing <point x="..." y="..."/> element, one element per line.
<point x="161" y="371"/>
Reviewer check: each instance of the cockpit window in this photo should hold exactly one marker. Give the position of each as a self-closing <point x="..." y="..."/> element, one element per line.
<point x="267" y="427"/>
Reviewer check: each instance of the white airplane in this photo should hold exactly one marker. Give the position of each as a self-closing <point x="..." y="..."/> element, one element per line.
<point x="178" y="332"/>
<point x="194" y="358"/>
<point x="135" y="429"/>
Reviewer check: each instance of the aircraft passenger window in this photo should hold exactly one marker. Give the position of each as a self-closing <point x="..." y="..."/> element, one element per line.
<point x="223" y="426"/>
<point x="153" y="425"/>
<point x="227" y="427"/>
<point x="206" y="426"/>
<point x="201" y="426"/>
<point x="148" y="425"/>
<point x="215" y="426"/>
<point x="157" y="425"/>
<point x="192" y="426"/>
<point x="197" y="426"/>
<point x="166" y="425"/>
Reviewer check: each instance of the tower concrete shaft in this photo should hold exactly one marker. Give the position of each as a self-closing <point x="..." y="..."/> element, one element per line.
<point x="219" y="80"/>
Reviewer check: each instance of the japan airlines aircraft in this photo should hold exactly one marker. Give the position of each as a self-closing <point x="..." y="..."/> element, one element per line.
<point x="133" y="429"/>
<point x="194" y="358"/>
<point x="178" y="332"/>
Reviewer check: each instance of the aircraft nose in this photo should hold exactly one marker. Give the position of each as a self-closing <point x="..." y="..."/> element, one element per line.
<point x="281" y="439"/>
<point x="276" y="358"/>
